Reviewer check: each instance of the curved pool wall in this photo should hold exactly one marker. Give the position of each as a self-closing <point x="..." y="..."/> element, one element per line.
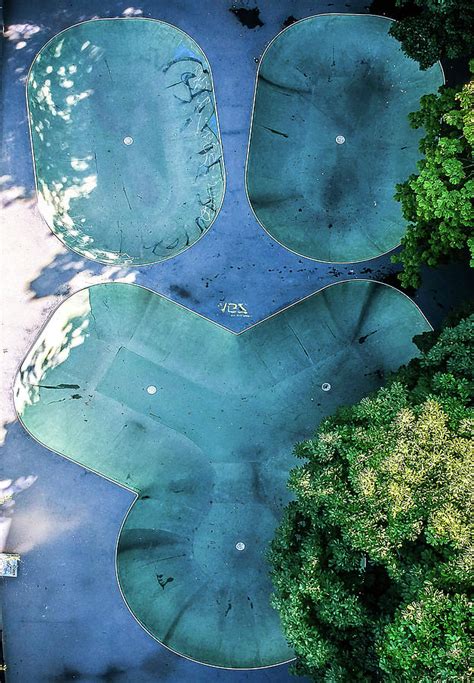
<point x="200" y="423"/>
<point x="330" y="136"/>
<point x="125" y="139"/>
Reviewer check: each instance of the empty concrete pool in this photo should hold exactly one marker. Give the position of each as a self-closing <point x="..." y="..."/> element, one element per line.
<point x="330" y="136"/>
<point x="126" y="145"/>
<point x="200" y="423"/>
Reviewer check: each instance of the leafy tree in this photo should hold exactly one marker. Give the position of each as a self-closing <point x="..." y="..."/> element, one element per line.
<point x="437" y="202"/>
<point x="373" y="559"/>
<point x="435" y="29"/>
<point x="428" y="635"/>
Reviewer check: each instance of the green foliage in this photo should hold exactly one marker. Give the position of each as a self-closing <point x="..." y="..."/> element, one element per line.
<point x="437" y="202"/>
<point x="373" y="559"/>
<point x="445" y="367"/>
<point x="429" y="634"/>
<point x="436" y="29"/>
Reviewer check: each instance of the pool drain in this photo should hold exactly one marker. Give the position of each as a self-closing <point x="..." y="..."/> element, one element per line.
<point x="326" y="386"/>
<point x="340" y="139"/>
<point x="128" y="140"/>
<point x="151" y="389"/>
<point x="240" y="545"/>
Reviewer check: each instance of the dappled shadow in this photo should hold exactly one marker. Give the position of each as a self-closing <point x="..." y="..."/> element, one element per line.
<point x="66" y="329"/>
<point x="52" y="97"/>
<point x="57" y="277"/>
<point x="10" y="192"/>
<point x="23" y="38"/>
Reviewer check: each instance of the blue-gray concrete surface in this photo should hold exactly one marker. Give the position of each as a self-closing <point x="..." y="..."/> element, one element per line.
<point x="64" y="617"/>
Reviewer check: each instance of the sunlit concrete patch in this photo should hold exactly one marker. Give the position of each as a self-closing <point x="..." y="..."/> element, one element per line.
<point x="20" y="34"/>
<point x="9" y="488"/>
<point x="208" y="453"/>
<point x="331" y="138"/>
<point x="125" y="139"/>
<point x="47" y="528"/>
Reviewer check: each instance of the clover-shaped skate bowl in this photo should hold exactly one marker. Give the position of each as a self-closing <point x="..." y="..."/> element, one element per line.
<point x="125" y="140"/>
<point x="200" y="423"/>
<point x="330" y="136"/>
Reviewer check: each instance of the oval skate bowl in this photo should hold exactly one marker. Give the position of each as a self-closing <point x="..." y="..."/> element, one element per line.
<point x="330" y="136"/>
<point x="125" y="139"/>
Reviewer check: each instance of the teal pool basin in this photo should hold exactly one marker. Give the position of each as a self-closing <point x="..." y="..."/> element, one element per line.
<point x="330" y="136"/>
<point x="125" y="139"/>
<point x="200" y="423"/>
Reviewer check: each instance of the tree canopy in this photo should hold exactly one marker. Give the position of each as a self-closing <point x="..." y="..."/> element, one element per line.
<point x="372" y="562"/>
<point x="435" y="29"/>
<point x="437" y="201"/>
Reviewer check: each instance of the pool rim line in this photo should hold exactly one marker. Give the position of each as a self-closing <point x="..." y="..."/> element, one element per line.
<point x="33" y="157"/>
<point x="138" y="493"/>
<point x="261" y="58"/>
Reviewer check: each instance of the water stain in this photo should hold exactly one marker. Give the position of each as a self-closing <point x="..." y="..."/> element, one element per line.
<point x="181" y="292"/>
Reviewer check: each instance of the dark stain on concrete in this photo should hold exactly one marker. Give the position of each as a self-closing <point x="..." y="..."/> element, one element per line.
<point x="289" y="20"/>
<point x="250" y="18"/>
